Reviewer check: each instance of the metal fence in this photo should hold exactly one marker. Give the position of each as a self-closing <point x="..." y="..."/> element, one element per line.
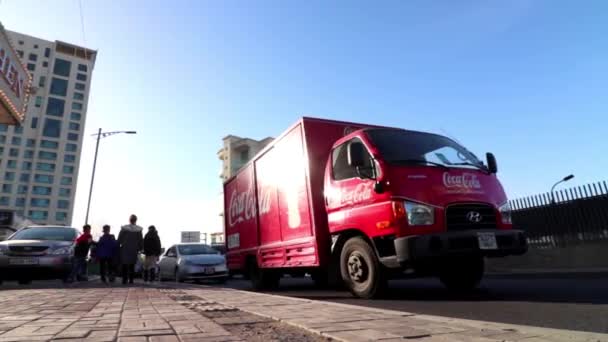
<point x="566" y="217"/>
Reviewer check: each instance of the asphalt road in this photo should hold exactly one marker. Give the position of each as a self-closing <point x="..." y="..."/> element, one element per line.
<point x="573" y="303"/>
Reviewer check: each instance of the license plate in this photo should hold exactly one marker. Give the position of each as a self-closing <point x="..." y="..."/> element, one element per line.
<point x="487" y="241"/>
<point x="209" y="270"/>
<point x="23" y="261"/>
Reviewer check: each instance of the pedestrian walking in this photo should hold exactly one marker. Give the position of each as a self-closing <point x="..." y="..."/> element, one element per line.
<point x="131" y="241"/>
<point x="152" y="250"/>
<point x="81" y="251"/>
<point x="107" y="248"/>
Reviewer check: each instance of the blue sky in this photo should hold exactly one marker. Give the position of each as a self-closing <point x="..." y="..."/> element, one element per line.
<point x="524" y="79"/>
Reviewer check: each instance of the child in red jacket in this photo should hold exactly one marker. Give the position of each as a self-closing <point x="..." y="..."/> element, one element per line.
<point x="81" y="251"/>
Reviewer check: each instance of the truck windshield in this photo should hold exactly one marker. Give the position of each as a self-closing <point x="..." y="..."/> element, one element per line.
<point x="401" y="147"/>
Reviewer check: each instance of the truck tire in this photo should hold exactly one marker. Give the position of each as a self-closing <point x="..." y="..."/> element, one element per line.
<point x="263" y="279"/>
<point x="361" y="270"/>
<point x="462" y="274"/>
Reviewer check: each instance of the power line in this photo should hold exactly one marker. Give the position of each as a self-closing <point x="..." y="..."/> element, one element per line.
<point x="84" y="40"/>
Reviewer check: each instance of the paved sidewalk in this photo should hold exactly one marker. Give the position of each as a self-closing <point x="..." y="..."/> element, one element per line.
<point x="135" y="314"/>
<point x="354" y="324"/>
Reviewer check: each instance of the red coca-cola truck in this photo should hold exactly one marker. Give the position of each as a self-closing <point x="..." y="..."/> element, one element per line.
<point x="358" y="204"/>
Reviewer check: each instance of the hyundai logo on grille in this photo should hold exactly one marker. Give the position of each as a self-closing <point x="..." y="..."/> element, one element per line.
<point x="474" y="216"/>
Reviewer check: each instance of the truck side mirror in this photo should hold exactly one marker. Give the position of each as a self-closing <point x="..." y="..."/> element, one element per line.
<point x="491" y="160"/>
<point x="356" y="154"/>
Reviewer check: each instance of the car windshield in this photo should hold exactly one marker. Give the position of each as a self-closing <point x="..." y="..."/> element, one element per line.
<point x="45" y="233"/>
<point x="401" y="146"/>
<point x="195" y="250"/>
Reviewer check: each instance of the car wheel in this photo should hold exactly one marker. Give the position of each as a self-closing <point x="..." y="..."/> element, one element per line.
<point x="361" y="270"/>
<point x="178" y="279"/>
<point x="263" y="279"/>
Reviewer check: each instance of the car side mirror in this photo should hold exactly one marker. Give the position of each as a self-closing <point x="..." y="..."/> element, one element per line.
<point x="356" y="154"/>
<point x="491" y="160"/>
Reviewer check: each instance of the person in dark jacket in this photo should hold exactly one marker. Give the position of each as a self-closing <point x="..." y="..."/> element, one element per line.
<point x="131" y="243"/>
<point x="106" y="251"/>
<point x="152" y="250"/>
<point x="81" y="251"/>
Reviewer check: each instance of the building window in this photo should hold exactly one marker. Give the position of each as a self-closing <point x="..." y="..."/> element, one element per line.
<point x="49" y="144"/>
<point x="22" y="189"/>
<point x="42" y="81"/>
<point x="63" y="204"/>
<point x="20" y="53"/>
<point x="11" y="164"/>
<point x="69" y="158"/>
<point x="66" y="180"/>
<point x="82" y="67"/>
<point x="47" y="52"/>
<point x="13" y="152"/>
<point x="9" y="176"/>
<point x="62" y="67"/>
<point x="45" y="167"/>
<point x="71" y="147"/>
<point x="59" y="86"/>
<point x="61" y="216"/>
<point x="20" y="202"/>
<point x="44" y="155"/>
<point x="79" y="86"/>
<point x="7" y="188"/>
<point x="38" y="215"/>
<point x="73" y="136"/>
<point x="55" y="107"/>
<point x="26" y="165"/>
<point x="31" y="142"/>
<point x="35" y="46"/>
<point x="31" y="67"/>
<point x="81" y="77"/>
<point x="25" y="178"/>
<point x="40" y="202"/>
<point x="68" y="169"/>
<point x="3" y="127"/>
<point x="44" y="179"/>
<point x="74" y="126"/>
<point x="41" y="190"/>
<point x="45" y="64"/>
<point x="34" y="123"/>
<point x="76" y="106"/>
<point x="4" y="200"/>
<point x="52" y="128"/>
<point x="63" y="192"/>
<point x="16" y="141"/>
<point x="75" y="116"/>
<point x="18" y="129"/>
<point x="33" y="57"/>
<point x="78" y="96"/>
<point x="29" y="154"/>
<point x="21" y="42"/>
<point x="2" y="139"/>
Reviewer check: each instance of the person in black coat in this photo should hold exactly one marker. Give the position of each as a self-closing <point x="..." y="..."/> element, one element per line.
<point x="152" y="250"/>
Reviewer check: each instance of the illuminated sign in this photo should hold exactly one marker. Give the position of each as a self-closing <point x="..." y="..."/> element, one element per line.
<point x="14" y="83"/>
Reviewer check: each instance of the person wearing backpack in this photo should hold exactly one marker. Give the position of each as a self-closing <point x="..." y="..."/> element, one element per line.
<point x="131" y="243"/>
<point x="107" y="248"/>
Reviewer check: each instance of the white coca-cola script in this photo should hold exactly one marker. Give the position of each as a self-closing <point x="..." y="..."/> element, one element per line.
<point x="464" y="181"/>
<point x="360" y="193"/>
<point x="243" y="207"/>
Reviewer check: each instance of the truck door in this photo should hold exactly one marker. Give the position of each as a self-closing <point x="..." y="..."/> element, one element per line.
<point x="348" y="189"/>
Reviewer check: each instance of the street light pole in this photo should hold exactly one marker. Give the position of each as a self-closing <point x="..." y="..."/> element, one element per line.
<point x="99" y="135"/>
<point x="565" y="179"/>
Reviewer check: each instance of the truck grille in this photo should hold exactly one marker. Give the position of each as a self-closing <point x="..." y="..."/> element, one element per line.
<point x="470" y="217"/>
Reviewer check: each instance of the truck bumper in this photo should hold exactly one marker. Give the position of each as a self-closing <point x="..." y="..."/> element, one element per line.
<point x="413" y="249"/>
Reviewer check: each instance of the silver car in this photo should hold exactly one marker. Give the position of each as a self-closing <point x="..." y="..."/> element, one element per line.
<point x="193" y="261"/>
<point x="37" y="252"/>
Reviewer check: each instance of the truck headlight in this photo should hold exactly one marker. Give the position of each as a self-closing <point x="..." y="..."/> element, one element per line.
<point x="419" y="214"/>
<point x="505" y="213"/>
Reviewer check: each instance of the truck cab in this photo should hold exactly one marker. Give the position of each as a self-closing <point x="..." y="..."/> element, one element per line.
<point x="400" y="201"/>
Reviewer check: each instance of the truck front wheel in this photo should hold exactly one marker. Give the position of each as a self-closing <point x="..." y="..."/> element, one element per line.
<point x="462" y="274"/>
<point x="361" y="270"/>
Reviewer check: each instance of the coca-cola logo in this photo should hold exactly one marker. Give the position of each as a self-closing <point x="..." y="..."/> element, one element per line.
<point x="360" y="193"/>
<point x="463" y="181"/>
<point x="243" y="206"/>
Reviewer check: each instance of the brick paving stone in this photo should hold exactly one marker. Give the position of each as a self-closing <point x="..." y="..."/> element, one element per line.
<point x="164" y="338"/>
<point x="145" y="332"/>
<point x="73" y="333"/>
<point x="133" y="339"/>
<point x="361" y="335"/>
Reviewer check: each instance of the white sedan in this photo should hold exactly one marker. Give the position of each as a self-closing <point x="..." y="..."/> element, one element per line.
<point x="193" y="261"/>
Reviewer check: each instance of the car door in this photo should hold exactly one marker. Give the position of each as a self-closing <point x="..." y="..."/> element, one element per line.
<point x="168" y="262"/>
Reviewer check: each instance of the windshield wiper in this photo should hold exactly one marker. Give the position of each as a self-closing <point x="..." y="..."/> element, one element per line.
<point x="479" y="166"/>
<point x="418" y="161"/>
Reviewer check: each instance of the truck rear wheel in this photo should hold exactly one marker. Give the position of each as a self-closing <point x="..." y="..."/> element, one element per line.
<point x="361" y="270"/>
<point x="263" y="279"/>
<point x="462" y="274"/>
